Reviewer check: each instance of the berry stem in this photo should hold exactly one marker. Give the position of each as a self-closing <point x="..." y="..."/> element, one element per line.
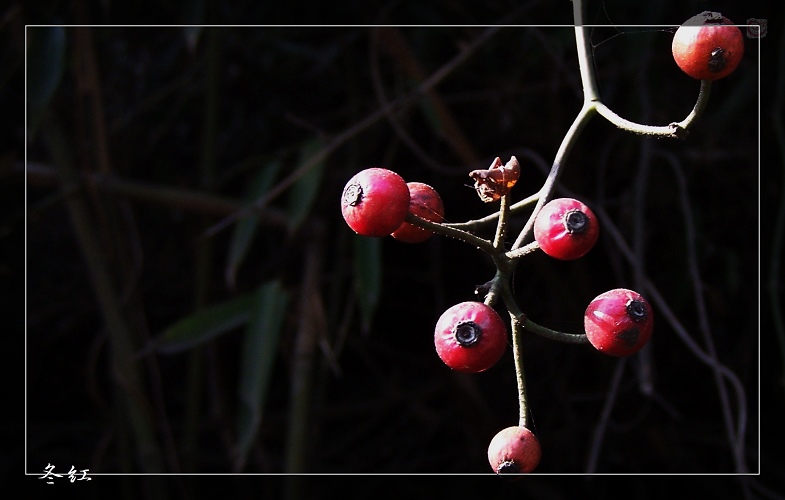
<point x="524" y="250"/>
<point x="567" y="338"/>
<point x="529" y="325"/>
<point x="700" y="105"/>
<point x="476" y="223"/>
<point x="590" y="88"/>
<point x="676" y="130"/>
<point x="520" y="322"/>
<point x="453" y="232"/>
<point x="501" y="227"/>
<point x="520" y="375"/>
<point x="494" y="286"/>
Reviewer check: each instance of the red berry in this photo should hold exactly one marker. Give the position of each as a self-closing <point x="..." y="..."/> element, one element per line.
<point x="514" y="450"/>
<point x="566" y="229"/>
<point x="375" y="202"/>
<point x="708" y="46"/>
<point x="470" y="337"/>
<point x="618" y="322"/>
<point x="426" y="203"/>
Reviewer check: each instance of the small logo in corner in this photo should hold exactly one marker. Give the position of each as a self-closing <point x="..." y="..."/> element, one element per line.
<point x="757" y="28"/>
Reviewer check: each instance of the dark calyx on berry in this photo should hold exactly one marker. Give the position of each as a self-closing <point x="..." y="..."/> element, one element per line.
<point x="353" y="194"/>
<point x="576" y="221"/>
<point x="636" y="310"/>
<point x="467" y="333"/>
<point x="717" y="61"/>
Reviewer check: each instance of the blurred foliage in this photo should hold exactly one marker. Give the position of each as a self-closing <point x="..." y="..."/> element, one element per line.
<point x="249" y="308"/>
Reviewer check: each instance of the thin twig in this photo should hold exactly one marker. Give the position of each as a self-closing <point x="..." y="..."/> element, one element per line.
<point x="735" y="436"/>
<point x="605" y="416"/>
<point x="203" y="255"/>
<point x="391" y="117"/>
<point x="477" y="223"/>
<point x="177" y="198"/>
<point x="311" y="321"/>
<point x="639" y="221"/>
<point x="397" y="47"/>
<point x="531" y="326"/>
<point x="520" y="373"/>
<point x="446" y="230"/>
<point x="501" y="227"/>
<point x="591" y="90"/>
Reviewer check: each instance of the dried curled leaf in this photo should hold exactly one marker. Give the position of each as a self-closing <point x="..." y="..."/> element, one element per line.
<point x="497" y="180"/>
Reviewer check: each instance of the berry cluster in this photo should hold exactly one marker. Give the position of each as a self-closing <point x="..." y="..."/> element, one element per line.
<point x="375" y="203"/>
<point x="471" y="336"/>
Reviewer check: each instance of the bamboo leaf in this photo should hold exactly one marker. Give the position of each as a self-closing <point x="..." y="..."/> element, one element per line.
<point x="245" y="229"/>
<point x="303" y="193"/>
<point x="367" y="276"/>
<point x="205" y="325"/>
<point x="260" y="346"/>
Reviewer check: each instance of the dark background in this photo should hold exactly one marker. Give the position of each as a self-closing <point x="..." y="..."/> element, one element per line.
<point x="201" y="112"/>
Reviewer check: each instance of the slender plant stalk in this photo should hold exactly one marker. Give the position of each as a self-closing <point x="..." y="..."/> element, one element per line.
<point x="501" y="226"/>
<point x="735" y="437"/>
<point x="311" y="323"/>
<point x="567" y="338"/>
<point x="204" y="249"/>
<point x="678" y="130"/>
<point x="477" y="223"/>
<point x="502" y="277"/>
<point x="529" y="325"/>
<point x="452" y="232"/>
<point x="188" y="200"/>
<point x="127" y="376"/>
<point x="591" y="90"/>
<point x="520" y="374"/>
<point x="521" y="251"/>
